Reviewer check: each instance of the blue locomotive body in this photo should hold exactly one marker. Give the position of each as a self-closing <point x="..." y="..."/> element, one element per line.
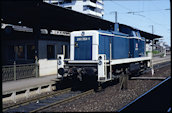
<point x="134" y="48"/>
<point x="120" y="45"/>
<point x="142" y="47"/>
<point x="123" y="46"/>
<point x="137" y="45"/>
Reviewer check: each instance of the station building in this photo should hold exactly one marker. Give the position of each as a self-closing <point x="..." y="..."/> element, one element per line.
<point x="19" y="46"/>
<point x="42" y="30"/>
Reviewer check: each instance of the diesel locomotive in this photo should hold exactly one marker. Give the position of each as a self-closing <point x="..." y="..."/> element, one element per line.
<point x="104" y="55"/>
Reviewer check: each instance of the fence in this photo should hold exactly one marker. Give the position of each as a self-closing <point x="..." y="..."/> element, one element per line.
<point x="19" y="71"/>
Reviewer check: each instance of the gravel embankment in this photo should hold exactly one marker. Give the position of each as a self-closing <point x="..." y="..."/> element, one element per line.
<point x="112" y="98"/>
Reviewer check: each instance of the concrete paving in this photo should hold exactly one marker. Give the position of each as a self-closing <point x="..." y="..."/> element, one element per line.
<point x="158" y="59"/>
<point x="26" y="83"/>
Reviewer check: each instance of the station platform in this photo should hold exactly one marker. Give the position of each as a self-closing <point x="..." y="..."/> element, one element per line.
<point x="10" y="86"/>
<point x="159" y="59"/>
<point x="26" y="83"/>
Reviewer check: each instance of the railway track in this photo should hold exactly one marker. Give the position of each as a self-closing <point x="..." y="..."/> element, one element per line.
<point x="47" y="101"/>
<point x="160" y="65"/>
<point x="13" y="106"/>
<point x="70" y="96"/>
<point x="157" y="66"/>
<point x="55" y="98"/>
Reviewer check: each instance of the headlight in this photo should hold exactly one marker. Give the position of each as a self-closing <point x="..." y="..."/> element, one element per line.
<point x="100" y="57"/>
<point x="100" y="62"/>
<point x="59" y="63"/>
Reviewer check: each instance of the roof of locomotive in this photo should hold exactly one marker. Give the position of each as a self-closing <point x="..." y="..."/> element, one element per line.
<point x="113" y="32"/>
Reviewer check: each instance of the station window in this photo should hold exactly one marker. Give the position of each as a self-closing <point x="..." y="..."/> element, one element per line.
<point x="30" y="52"/>
<point x="67" y="1"/>
<point x="20" y="51"/>
<point x="86" y="7"/>
<point x="11" y="52"/>
<point x="50" y="52"/>
<point x="66" y="51"/>
<point x="94" y="1"/>
<point x="59" y="49"/>
<point x="63" y="49"/>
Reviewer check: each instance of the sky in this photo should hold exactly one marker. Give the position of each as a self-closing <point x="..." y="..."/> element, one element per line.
<point x="146" y="14"/>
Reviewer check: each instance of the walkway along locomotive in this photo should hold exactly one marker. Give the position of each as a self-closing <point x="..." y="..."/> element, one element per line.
<point x="103" y="55"/>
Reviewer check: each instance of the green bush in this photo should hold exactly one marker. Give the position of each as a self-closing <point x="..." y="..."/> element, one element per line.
<point x="155" y="52"/>
<point x="162" y="55"/>
<point x="147" y="52"/>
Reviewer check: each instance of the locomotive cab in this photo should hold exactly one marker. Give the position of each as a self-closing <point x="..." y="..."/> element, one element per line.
<point x="137" y="45"/>
<point x="84" y="46"/>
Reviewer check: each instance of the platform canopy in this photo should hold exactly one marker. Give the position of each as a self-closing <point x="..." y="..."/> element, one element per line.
<point x="47" y="16"/>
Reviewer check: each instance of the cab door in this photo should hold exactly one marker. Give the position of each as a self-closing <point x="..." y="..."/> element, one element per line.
<point x="83" y="48"/>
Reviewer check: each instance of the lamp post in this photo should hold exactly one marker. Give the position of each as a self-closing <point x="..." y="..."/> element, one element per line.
<point x="152" y="53"/>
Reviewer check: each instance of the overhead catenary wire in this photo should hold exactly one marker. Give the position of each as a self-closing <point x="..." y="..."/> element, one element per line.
<point x="122" y="9"/>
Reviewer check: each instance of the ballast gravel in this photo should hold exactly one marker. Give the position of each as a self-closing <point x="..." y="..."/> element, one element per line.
<point x="112" y="98"/>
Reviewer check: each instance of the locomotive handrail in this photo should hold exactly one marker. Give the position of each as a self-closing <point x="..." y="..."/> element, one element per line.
<point x="129" y="60"/>
<point x="66" y="59"/>
<point x="83" y="61"/>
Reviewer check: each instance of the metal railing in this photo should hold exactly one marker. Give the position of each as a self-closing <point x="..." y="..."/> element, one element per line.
<point x="20" y="71"/>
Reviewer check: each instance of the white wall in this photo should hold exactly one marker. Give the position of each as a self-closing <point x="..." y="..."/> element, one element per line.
<point x="48" y="66"/>
<point x="78" y="6"/>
